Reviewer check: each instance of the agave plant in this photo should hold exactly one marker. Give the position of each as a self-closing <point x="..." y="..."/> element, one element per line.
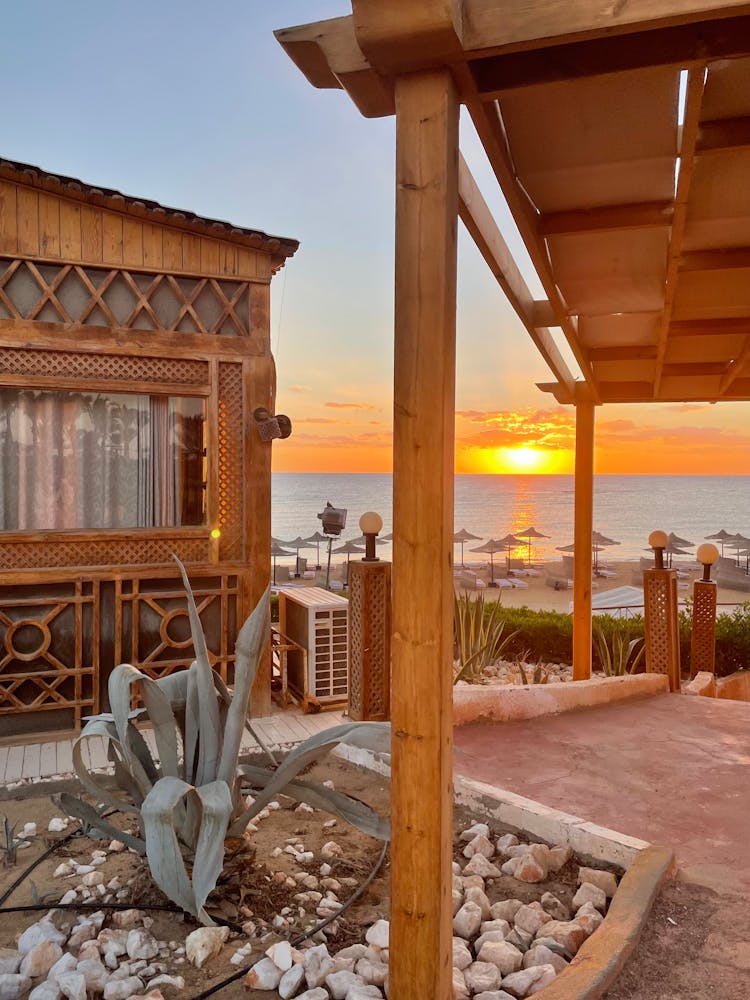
<point x="479" y="637"/>
<point x="618" y="657"/>
<point x="192" y="797"/>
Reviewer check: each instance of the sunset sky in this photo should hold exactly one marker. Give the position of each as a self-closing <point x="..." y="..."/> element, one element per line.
<point x="198" y="107"/>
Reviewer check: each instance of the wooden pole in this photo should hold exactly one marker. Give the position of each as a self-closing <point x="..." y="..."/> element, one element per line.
<point x="423" y="462"/>
<point x="584" y="524"/>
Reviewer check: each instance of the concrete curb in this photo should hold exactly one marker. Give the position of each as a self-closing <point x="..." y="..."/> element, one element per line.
<point x="599" y="960"/>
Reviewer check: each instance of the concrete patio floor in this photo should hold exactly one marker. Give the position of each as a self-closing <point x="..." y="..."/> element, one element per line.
<point x="671" y="769"/>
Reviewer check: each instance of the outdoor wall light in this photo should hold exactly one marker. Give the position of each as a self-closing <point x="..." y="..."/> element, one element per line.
<point x="215" y="533"/>
<point x="658" y="540"/>
<point x="370" y="524"/>
<point x="271" y="426"/>
<point x="707" y="554"/>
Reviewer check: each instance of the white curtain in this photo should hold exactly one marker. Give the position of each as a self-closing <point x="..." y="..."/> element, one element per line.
<point x="91" y="461"/>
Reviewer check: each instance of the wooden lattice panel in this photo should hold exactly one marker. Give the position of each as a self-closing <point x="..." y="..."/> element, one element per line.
<point x="662" y="636"/>
<point x="703" y="639"/>
<point x="45" y="664"/>
<point x="156" y="634"/>
<point x="109" y="551"/>
<point x="109" y="367"/>
<point x="231" y="460"/>
<point x="129" y="300"/>
<point x="369" y="641"/>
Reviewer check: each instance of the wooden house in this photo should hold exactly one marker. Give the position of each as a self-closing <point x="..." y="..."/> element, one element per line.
<point x="134" y="351"/>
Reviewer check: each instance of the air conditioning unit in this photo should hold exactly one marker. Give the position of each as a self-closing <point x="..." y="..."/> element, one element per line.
<point x="317" y="621"/>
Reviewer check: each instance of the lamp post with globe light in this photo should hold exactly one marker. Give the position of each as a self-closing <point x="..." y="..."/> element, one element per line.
<point x="660" y="614"/>
<point x="703" y="638"/>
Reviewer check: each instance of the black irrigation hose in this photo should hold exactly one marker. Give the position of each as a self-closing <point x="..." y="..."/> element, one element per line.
<point x="308" y="934"/>
<point x="34" y="864"/>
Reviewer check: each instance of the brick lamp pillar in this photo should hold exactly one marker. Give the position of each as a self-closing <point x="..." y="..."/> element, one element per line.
<point x="660" y="612"/>
<point x="370" y="630"/>
<point x="703" y="640"/>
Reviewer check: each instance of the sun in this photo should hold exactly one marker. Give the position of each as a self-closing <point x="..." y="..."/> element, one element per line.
<point x="522" y="459"/>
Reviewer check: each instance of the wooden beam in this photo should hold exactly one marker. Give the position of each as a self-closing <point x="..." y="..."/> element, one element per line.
<point x="423" y="458"/>
<point x="708" y="327"/>
<point x="483" y="229"/>
<point x="676" y="45"/>
<point x="648" y="215"/>
<point x="723" y="135"/>
<point x="727" y="259"/>
<point x="583" y="529"/>
<point x="629" y="352"/>
<point x="693" y="100"/>
<point x="736" y="368"/>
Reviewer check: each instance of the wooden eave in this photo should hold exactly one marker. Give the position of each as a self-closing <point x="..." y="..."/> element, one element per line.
<point x="71" y="188"/>
<point x="638" y="224"/>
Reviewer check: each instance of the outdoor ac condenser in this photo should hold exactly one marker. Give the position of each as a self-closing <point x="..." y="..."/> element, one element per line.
<point x="318" y="621"/>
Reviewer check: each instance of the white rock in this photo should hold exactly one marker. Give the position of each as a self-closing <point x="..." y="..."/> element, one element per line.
<point x="63" y="869"/>
<point x="48" y="990"/>
<point x="373" y="973"/>
<point x="462" y="957"/>
<point x="84" y="869"/>
<point x="606" y="881"/>
<point x="317" y="964"/>
<point x="502" y="954"/>
<point x="476" y="830"/>
<point x="85" y="931"/>
<point x="355" y="951"/>
<point x="505" y="842"/>
<point x="37" y="962"/>
<point x="72" y="985"/>
<point x="569" y="933"/>
<point x="141" y="944"/>
<point x="540" y="954"/>
<point x="482" y="976"/>
<point x="589" y="893"/>
<point x="476" y="895"/>
<point x="67" y="963"/>
<point x="479" y="865"/>
<point x="378" y="934"/>
<point x="94" y="973"/>
<point x="204" y="944"/>
<point x="529" y="981"/>
<point x="331" y="850"/>
<point x="339" y="983"/>
<point x="291" y="981"/>
<point x="490" y="936"/>
<point x="57" y="824"/>
<point x="589" y="918"/>
<point x="555" y="907"/>
<point x="558" y="857"/>
<point x="13" y="986"/>
<point x="121" y="989"/>
<point x="116" y="846"/>
<point x="281" y="955"/>
<point x="479" y="845"/>
<point x="526" y="868"/>
<point x="29" y="830"/>
<point x="93" y="878"/>
<point x="494" y="995"/>
<point x="113" y="940"/>
<point x="364" y="992"/>
<point x="531" y="917"/>
<point x="10" y="961"/>
<point x="506" y="909"/>
<point x="264" y="975"/>
<point x="460" y="992"/>
<point x="467" y="921"/>
<point x="317" y="993"/>
<point x="43" y="930"/>
<point x="164" y="980"/>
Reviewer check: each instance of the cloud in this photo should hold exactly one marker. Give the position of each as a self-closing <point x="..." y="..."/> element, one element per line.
<point x="687" y="407"/>
<point x="545" y="429"/>
<point x="319" y="420"/>
<point x="298" y="388"/>
<point x="368" y="407"/>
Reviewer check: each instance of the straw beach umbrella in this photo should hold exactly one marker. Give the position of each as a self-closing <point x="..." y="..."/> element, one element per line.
<point x="528" y="534"/>
<point x="676" y="540"/>
<point x="315" y="540"/>
<point x="510" y="542"/>
<point x="277" y="550"/>
<point x="738" y="541"/>
<point x="349" y="549"/>
<point x="491" y="547"/>
<point x="461" y="537"/>
<point x="298" y="543"/>
<point x="721" y="536"/>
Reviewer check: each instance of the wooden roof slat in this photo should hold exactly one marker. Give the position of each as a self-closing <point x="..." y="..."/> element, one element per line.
<point x="643" y="215"/>
<point x="723" y="135"/>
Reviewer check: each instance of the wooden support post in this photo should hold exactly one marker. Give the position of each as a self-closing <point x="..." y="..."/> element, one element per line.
<point x="662" y="633"/>
<point x="423" y="462"/>
<point x="584" y="524"/>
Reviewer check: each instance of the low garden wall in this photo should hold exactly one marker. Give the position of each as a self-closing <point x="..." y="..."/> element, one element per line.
<point x="508" y="702"/>
<point x="736" y="687"/>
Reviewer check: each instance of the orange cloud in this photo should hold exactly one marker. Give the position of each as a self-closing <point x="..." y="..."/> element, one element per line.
<point x="298" y="388"/>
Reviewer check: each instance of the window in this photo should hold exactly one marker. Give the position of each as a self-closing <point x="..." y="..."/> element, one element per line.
<point x="100" y="460"/>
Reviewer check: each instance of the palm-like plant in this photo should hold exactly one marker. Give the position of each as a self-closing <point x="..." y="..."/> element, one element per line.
<point x="189" y="800"/>
<point x="479" y="637"/>
<point x="616" y="655"/>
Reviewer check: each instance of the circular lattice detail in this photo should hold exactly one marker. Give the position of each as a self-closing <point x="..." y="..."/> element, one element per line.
<point x="69" y="364"/>
<point x="164" y="632"/>
<point x="17" y="640"/>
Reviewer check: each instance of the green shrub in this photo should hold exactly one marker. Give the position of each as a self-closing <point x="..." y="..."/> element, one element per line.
<point x="538" y="635"/>
<point x="480" y="637"/>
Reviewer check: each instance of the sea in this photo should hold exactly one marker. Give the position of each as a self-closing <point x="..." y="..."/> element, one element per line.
<point x="626" y="508"/>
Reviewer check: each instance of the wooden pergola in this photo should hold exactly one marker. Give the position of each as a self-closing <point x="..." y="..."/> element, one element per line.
<point x="620" y="136"/>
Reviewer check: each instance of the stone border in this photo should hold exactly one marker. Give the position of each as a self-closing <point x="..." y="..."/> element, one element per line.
<point x="511" y="702"/>
<point x="601" y="957"/>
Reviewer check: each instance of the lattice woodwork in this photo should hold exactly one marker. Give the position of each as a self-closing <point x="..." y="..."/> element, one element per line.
<point x="231" y="461"/>
<point x="122" y="299"/>
<point x="156" y="634"/>
<point x="369" y="641"/>
<point x="108" y="551"/>
<point x="45" y="664"/>
<point x="703" y="639"/>
<point x="661" y="627"/>
<point x="109" y="367"/>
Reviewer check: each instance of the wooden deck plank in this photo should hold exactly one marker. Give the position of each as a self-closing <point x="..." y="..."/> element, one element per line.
<point x="98" y="753"/>
<point x="64" y="756"/>
<point x="14" y="764"/>
<point x="31" y="759"/>
<point x="48" y="760"/>
<point x="3" y="762"/>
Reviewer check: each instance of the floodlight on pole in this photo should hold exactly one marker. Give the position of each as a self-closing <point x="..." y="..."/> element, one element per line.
<point x="333" y="520"/>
